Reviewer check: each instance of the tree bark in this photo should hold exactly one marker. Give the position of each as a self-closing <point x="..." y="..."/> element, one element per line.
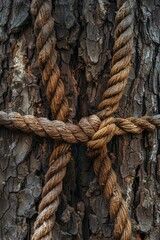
<point x="84" y="32"/>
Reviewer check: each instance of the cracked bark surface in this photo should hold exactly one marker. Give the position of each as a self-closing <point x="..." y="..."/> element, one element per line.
<point x="84" y="31"/>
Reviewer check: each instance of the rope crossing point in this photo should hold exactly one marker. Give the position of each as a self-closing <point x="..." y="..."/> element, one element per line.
<point x="88" y="128"/>
<point x="96" y="130"/>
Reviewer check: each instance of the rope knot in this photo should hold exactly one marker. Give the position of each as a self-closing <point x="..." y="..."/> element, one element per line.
<point x="103" y="135"/>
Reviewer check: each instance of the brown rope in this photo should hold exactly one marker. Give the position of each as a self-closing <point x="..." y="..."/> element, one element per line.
<point x="55" y="93"/>
<point x="122" y="52"/>
<point x="89" y="128"/>
<point x="100" y="133"/>
<point x="97" y="131"/>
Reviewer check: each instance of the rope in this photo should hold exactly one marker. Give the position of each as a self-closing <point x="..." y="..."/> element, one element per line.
<point x="122" y="52"/>
<point x="55" y="93"/>
<point x="102" y="166"/>
<point x="89" y="129"/>
<point x="100" y="133"/>
<point x="95" y="130"/>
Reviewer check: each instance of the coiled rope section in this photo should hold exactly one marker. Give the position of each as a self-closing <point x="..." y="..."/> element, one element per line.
<point x="95" y="130"/>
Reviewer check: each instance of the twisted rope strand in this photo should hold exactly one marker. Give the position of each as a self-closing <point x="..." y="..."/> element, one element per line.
<point x="122" y="52"/>
<point x="89" y="128"/>
<point x="55" y="93"/>
<point x="117" y="207"/>
<point x="47" y="58"/>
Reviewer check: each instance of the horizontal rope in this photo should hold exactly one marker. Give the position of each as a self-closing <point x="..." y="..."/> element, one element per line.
<point x="88" y="128"/>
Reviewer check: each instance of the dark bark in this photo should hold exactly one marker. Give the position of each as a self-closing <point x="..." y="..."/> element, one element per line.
<point x="84" y="31"/>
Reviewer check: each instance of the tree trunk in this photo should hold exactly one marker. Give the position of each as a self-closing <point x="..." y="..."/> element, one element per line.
<point x="84" y="32"/>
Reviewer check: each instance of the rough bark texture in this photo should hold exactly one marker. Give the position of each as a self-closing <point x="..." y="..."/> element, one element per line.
<point x="84" y="31"/>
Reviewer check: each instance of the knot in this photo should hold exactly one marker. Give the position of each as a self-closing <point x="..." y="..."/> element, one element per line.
<point x="103" y="135"/>
<point x="90" y="130"/>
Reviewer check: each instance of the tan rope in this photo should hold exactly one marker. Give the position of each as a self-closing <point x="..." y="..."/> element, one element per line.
<point x="102" y="166"/>
<point x="55" y="93"/>
<point x="122" y="50"/>
<point x="89" y="128"/>
<point x="96" y="131"/>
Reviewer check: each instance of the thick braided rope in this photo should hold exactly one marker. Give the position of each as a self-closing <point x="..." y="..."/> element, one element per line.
<point x="100" y="133"/>
<point x="123" y="36"/>
<point x="89" y="128"/>
<point x="122" y="52"/>
<point x="55" y="93"/>
<point x="110" y="102"/>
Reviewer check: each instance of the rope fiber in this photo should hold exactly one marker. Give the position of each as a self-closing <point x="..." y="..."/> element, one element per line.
<point x="55" y="93"/>
<point x="122" y="52"/>
<point x="96" y="130"/>
<point x="89" y="130"/>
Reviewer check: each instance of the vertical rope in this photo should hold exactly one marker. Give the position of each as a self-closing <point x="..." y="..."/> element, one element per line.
<point x="118" y="209"/>
<point x="122" y="51"/>
<point x="55" y="93"/>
